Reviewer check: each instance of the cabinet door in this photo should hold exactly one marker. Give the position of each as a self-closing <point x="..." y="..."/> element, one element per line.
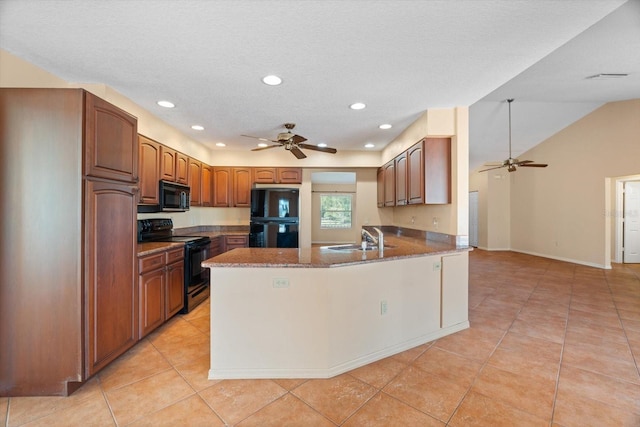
<point x="168" y="164"/>
<point x="149" y="156"/>
<point x="221" y="187"/>
<point x="401" y="179"/>
<point x="111" y="138"/>
<point x="206" y="196"/>
<point x="265" y="175"/>
<point x="182" y="168"/>
<point x="215" y="247"/>
<point x="415" y="174"/>
<point x="195" y="175"/>
<point x="389" y="183"/>
<point x="437" y="170"/>
<point x="289" y="175"/>
<point x="110" y="272"/>
<point x="174" y="291"/>
<point x="242" y="187"/>
<point x="380" y="180"/>
<point x="151" y="293"/>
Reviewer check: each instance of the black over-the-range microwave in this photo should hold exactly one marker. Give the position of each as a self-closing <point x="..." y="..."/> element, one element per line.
<point x="174" y="197"/>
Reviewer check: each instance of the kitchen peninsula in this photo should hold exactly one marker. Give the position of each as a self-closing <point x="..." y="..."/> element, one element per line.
<point x="318" y="312"/>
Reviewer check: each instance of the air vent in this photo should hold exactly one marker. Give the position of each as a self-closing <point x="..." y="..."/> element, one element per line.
<point x="604" y="76"/>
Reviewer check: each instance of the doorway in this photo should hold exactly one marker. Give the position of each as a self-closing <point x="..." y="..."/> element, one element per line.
<point x="631" y="222"/>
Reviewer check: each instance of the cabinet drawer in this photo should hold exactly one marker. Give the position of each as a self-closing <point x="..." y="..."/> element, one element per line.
<point x="151" y="262"/>
<point x="235" y="240"/>
<point x="175" y="255"/>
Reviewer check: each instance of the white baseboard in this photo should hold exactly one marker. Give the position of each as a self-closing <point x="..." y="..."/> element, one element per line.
<point x="574" y="261"/>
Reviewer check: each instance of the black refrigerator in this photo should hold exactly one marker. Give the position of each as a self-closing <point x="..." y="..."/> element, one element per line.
<point x="274" y="218"/>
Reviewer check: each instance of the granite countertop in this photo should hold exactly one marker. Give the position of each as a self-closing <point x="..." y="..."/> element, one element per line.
<point x="149" y="248"/>
<point x="319" y="257"/>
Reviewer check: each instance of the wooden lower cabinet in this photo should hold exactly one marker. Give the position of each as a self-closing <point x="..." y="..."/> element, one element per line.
<point x="235" y="241"/>
<point x="160" y="288"/>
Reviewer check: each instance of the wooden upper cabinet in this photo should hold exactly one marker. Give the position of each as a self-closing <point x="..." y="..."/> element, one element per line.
<point x="149" y="157"/>
<point x="168" y="163"/>
<point x="111" y="141"/>
<point x="389" y="183"/>
<point x="415" y="174"/>
<point x="206" y="193"/>
<point x="265" y="175"/>
<point x="222" y="186"/>
<point x="437" y="170"/>
<point x="194" y="179"/>
<point x="401" y="179"/>
<point x="182" y="168"/>
<point x="268" y="175"/>
<point x="289" y="175"/>
<point x="380" y="180"/>
<point x="241" y="187"/>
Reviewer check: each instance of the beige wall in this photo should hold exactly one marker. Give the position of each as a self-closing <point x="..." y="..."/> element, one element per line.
<point x="451" y="219"/>
<point x="565" y="210"/>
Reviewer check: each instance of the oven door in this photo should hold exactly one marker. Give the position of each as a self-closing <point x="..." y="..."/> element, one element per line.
<point x="196" y="277"/>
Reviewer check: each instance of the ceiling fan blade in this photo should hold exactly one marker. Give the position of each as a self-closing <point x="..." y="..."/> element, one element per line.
<point x="296" y="139"/>
<point x="296" y="152"/>
<point x="523" y="162"/>
<point x="533" y="165"/>
<point x="490" y="169"/>
<point x="316" y="148"/>
<point x="268" y="146"/>
<point x="260" y="138"/>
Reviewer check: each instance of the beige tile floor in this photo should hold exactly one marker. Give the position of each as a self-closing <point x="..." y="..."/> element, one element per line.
<point x="550" y="343"/>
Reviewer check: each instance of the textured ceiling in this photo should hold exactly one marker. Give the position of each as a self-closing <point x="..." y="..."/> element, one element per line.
<point x="398" y="57"/>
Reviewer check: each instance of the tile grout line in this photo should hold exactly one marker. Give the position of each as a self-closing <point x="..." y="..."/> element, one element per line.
<point x="564" y="339"/>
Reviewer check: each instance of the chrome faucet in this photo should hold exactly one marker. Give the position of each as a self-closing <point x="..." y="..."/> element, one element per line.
<point x="380" y="238"/>
<point x="368" y="237"/>
<point x="376" y="241"/>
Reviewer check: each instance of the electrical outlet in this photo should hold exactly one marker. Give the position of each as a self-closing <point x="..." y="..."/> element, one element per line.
<point x="280" y="282"/>
<point x="437" y="266"/>
<point x="383" y="307"/>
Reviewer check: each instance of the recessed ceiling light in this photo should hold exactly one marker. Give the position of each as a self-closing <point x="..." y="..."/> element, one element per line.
<point x="385" y="126"/>
<point x="272" y="80"/>
<point x="220" y="144"/>
<point x="369" y="145"/>
<point x="197" y="127"/>
<point x="322" y="144"/>
<point x="357" y="106"/>
<point x="166" y="104"/>
<point x="262" y="144"/>
<point x="604" y="76"/>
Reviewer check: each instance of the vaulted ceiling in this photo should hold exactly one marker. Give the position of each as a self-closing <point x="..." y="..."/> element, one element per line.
<point x="398" y="57"/>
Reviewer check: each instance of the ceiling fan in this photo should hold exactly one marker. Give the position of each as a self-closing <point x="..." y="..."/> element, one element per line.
<point x="511" y="163"/>
<point x="291" y="142"/>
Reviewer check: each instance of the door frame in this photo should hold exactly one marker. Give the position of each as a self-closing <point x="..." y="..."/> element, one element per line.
<point x="619" y="215"/>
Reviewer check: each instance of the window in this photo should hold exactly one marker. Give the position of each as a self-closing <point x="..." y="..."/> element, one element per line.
<point x="335" y="211"/>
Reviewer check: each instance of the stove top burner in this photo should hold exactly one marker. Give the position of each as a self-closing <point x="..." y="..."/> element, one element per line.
<point x="161" y="230"/>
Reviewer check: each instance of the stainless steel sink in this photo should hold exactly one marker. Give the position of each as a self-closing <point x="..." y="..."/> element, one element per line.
<point x="354" y="247"/>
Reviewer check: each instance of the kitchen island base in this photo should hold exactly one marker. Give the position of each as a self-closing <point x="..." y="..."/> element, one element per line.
<point x="285" y="322"/>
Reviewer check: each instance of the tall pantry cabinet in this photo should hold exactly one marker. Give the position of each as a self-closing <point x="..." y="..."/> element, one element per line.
<point x="68" y="301"/>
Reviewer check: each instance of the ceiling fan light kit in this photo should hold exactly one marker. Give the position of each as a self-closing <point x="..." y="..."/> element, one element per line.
<point x="291" y="142"/>
<point x="511" y="164"/>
